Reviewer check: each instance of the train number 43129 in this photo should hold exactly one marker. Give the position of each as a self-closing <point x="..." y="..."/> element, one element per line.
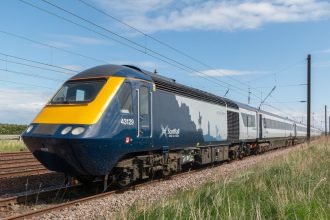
<point x="127" y="121"/>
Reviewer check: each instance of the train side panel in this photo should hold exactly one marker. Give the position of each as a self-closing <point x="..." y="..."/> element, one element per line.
<point x="185" y="122"/>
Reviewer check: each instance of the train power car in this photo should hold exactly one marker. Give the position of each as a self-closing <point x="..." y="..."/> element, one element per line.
<point x="124" y="123"/>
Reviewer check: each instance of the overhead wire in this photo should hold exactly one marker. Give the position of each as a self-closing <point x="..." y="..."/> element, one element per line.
<point x="26" y="84"/>
<point x="143" y="49"/>
<point x="30" y="74"/>
<point x="37" y="67"/>
<point x="279" y="86"/>
<point x="281" y="70"/>
<point x="125" y="38"/>
<point x="38" y="62"/>
<point x="99" y="33"/>
<point x="162" y="43"/>
<point x="52" y="46"/>
<point x="185" y="54"/>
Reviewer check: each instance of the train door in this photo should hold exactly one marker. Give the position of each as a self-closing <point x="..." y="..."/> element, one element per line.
<point x="260" y="126"/>
<point x="144" y="114"/>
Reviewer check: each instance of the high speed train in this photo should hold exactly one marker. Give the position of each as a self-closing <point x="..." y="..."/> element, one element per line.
<point x="127" y="124"/>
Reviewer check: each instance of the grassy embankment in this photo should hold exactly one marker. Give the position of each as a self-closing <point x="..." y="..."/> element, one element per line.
<point x="292" y="187"/>
<point x="11" y="145"/>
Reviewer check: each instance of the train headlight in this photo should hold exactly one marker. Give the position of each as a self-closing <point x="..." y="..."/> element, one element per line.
<point x="78" y="130"/>
<point x="29" y="129"/>
<point x="66" y="130"/>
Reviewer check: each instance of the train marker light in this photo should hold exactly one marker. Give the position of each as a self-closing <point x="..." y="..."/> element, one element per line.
<point x="127" y="140"/>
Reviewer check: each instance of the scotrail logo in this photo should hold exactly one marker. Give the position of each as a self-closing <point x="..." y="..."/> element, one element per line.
<point x="167" y="132"/>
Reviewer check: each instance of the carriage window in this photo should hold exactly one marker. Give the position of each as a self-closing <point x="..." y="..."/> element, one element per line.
<point x="144" y="101"/>
<point x="252" y="121"/>
<point x="125" y="99"/>
<point x="248" y="120"/>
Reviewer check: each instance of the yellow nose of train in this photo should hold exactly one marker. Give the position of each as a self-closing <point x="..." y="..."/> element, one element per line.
<point x="81" y="112"/>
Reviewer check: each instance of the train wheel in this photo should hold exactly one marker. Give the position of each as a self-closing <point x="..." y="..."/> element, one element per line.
<point x="258" y="150"/>
<point x="86" y="179"/>
<point x="240" y="152"/>
<point x="123" y="180"/>
<point x="233" y="155"/>
<point x="166" y="173"/>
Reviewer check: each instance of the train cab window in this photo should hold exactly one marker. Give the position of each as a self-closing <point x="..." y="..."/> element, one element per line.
<point x="80" y="91"/>
<point x="144" y="101"/>
<point x="80" y="95"/>
<point x="125" y="99"/>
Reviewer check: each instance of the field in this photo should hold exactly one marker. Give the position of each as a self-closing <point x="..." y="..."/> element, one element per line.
<point x="295" y="186"/>
<point x="12" y="146"/>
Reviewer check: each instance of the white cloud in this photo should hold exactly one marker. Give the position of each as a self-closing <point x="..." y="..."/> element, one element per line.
<point x="21" y="106"/>
<point x="87" y="40"/>
<point x="326" y="51"/>
<point x="224" y="72"/>
<point x="59" y="44"/>
<point x="73" y="67"/>
<point x="156" y="15"/>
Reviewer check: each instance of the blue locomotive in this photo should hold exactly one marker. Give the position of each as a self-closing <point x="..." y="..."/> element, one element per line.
<point x="126" y="123"/>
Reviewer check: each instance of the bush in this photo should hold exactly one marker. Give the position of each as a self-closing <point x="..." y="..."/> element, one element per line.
<point x="7" y="129"/>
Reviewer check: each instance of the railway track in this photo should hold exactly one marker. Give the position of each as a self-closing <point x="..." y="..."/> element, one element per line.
<point x="33" y="197"/>
<point x="57" y="192"/>
<point x="9" y="154"/>
<point x="18" y="164"/>
<point x="34" y="171"/>
<point x="16" y="155"/>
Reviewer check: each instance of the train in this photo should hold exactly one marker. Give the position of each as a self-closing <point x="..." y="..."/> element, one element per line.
<point x="127" y="124"/>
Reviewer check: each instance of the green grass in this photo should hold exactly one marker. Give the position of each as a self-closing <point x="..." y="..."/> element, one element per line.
<point x="12" y="146"/>
<point x="295" y="186"/>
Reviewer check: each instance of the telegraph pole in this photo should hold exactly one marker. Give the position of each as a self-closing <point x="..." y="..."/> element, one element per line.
<point x="325" y="121"/>
<point x="308" y="98"/>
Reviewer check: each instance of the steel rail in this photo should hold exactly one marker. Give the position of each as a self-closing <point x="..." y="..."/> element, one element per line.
<point x="35" y="196"/>
<point x="15" y="154"/>
<point x="24" y="173"/>
<point x="19" y="167"/>
<point x="18" y="160"/>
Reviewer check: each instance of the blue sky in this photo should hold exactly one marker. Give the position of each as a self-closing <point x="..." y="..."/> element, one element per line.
<point x="238" y="44"/>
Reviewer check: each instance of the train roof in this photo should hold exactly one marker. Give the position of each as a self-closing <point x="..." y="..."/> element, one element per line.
<point x="245" y="106"/>
<point x="111" y="70"/>
<point x="161" y="82"/>
<point x="165" y="84"/>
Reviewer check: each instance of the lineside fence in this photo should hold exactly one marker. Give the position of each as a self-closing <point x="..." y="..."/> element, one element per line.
<point x="10" y="137"/>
